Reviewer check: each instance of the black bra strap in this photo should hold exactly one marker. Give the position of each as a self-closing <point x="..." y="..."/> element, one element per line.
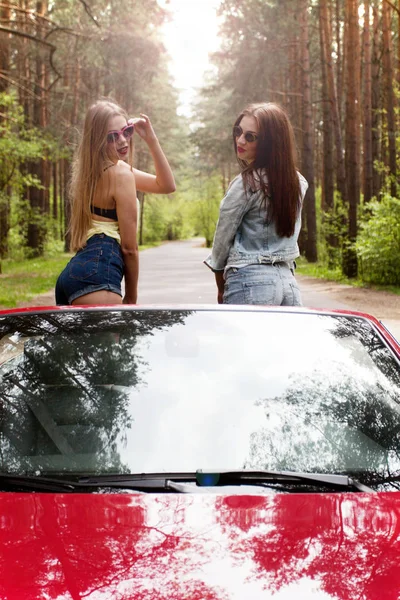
<point x="108" y="213"/>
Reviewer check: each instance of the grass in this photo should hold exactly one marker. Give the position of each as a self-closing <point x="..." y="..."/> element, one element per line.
<point x="321" y="271"/>
<point x="22" y="280"/>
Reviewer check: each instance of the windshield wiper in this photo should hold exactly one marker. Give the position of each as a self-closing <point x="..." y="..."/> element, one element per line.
<point x="34" y="483"/>
<point x="260" y="477"/>
<point x="265" y="478"/>
<point x="38" y="483"/>
<point x="190" y="482"/>
<point x="183" y="482"/>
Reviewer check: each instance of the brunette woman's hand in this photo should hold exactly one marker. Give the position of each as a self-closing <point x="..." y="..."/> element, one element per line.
<point x="143" y="128"/>
<point x="127" y="300"/>
<point x="219" y="280"/>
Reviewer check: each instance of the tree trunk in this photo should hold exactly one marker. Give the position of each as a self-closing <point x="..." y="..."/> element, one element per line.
<point x="339" y="55"/>
<point x="327" y="153"/>
<point x="330" y="114"/>
<point x="367" y="113"/>
<point x="334" y="103"/>
<point x="36" y="196"/>
<point x="375" y="100"/>
<point x="5" y="16"/>
<point x="4" y="222"/>
<point x="308" y="151"/>
<point x="55" y="191"/>
<point x="352" y="134"/>
<point x="62" y="199"/>
<point x="67" y="207"/>
<point x="389" y="93"/>
<point x="76" y="86"/>
<point x="398" y="48"/>
<point x="23" y="68"/>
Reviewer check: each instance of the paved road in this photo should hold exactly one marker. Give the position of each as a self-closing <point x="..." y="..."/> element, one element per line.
<point x="174" y="273"/>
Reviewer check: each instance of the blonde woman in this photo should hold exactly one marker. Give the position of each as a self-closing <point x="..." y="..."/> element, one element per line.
<point x="104" y="208"/>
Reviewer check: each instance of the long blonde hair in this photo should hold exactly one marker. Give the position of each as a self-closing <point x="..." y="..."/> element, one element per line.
<point x="88" y="166"/>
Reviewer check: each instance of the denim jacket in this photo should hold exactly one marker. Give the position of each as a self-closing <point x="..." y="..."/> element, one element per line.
<point x="243" y="235"/>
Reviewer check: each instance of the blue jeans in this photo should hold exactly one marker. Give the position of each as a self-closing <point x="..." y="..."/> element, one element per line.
<point x="262" y="284"/>
<point x="97" y="266"/>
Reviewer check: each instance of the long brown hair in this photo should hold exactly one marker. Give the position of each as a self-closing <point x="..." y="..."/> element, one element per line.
<point x="275" y="157"/>
<point x="88" y="166"/>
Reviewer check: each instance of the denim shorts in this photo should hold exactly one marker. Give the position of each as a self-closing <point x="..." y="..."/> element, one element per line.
<point x="262" y="284"/>
<point x="97" y="266"/>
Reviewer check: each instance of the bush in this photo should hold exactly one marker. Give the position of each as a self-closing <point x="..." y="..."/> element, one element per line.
<point x="165" y="219"/>
<point x="207" y="196"/>
<point x="378" y="242"/>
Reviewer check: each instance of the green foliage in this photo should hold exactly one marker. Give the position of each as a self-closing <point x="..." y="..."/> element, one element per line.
<point x="377" y="245"/>
<point x="18" y="144"/>
<point x="21" y="216"/>
<point x="320" y="270"/>
<point x="165" y="219"/>
<point x="248" y="68"/>
<point x="192" y="210"/>
<point x="378" y="242"/>
<point x="207" y="196"/>
<point x="212" y="136"/>
<point x="18" y="228"/>
<point x="333" y="226"/>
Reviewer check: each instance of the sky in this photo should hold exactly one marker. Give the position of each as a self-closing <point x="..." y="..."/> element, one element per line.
<point x="189" y="38"/>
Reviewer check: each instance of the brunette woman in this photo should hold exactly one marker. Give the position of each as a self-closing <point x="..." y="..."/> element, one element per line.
<point x="255" y="242"/>
<point x="104" y="207"/>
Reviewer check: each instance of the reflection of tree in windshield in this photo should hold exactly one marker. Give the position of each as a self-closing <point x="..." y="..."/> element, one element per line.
<point x="65" y="400"/>
<point x="361" y="330"/>
<point x="341" y="419"/>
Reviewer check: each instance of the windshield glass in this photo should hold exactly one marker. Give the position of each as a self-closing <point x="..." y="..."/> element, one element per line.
<point x="133" y="391"/>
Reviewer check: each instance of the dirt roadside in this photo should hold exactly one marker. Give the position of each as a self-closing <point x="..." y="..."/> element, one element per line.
<point x="380" y="304"/>
<point x="47" y="299"/>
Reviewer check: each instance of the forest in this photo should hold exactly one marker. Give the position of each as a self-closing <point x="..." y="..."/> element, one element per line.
<point x="333" y="64"/>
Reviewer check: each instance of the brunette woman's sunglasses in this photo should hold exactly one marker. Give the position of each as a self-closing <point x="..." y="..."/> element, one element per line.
<point x="248" y="136"/>
<point x="127" y="132"/>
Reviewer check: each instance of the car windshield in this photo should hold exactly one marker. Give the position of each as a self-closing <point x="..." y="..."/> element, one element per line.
<point x="151" y="390"/>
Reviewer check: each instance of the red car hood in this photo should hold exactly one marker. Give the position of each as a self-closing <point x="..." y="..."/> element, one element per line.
<point x="199" y="547"/>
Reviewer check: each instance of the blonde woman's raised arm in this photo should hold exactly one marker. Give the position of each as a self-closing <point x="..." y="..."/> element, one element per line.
<point x="163" y="181"/>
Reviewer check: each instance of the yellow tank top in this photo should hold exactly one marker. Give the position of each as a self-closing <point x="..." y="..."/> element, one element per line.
<point x="109" y="228"/>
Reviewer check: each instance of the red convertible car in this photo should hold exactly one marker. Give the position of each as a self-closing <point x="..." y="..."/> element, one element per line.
<point x="198" y="453"/>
